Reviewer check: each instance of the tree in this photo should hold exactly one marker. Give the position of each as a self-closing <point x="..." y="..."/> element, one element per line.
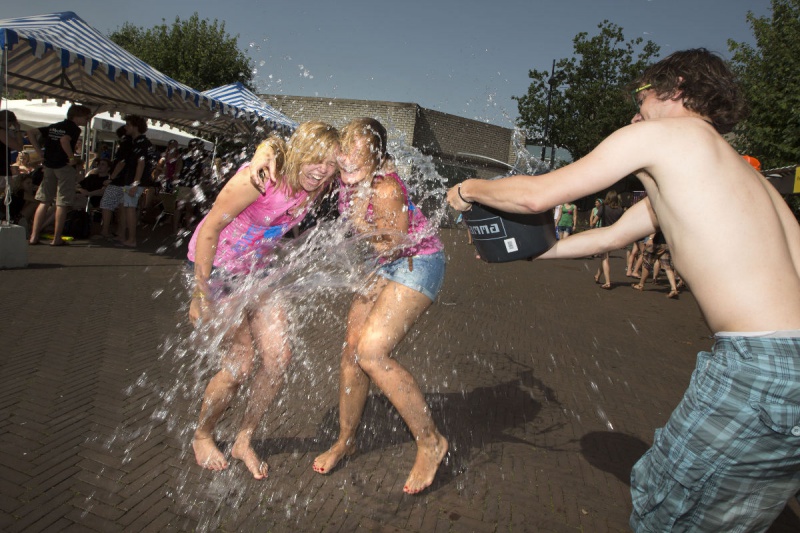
<point x="195" y="52"/>
<point x="769" y="74"/>
<point x="588" y="100"/>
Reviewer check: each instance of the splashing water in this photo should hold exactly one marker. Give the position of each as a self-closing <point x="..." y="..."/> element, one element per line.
<point x="308" y="278"/>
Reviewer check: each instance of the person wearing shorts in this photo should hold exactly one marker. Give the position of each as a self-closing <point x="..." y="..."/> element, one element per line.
<point x="657" y="249"/>
<point x="375" y="201"/>
<point x="60" y="180"/>
<point x="728" y="459"/>
<point x="742" y="408"/>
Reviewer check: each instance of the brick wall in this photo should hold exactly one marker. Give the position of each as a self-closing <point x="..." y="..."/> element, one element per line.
<point x="433" y="133"/>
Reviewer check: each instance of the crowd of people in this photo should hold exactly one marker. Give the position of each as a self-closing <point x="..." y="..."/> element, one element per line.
<point x="56" y="194"/>
<point x="727" y="459"/>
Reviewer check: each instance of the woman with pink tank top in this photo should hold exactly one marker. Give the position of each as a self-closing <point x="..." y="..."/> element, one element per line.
<point x="406" y="284"/>
<point x="236" y="238"/>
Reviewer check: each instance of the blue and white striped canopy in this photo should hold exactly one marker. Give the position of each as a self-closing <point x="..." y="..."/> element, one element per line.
<point x="237" y="95"/>
<point x="60" y="56"/>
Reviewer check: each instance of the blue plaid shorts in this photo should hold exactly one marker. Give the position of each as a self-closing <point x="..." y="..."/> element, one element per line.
<point x="728" y="459"/>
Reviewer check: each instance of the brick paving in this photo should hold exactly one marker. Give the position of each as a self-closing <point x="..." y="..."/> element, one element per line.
<point x="547" y="387"/>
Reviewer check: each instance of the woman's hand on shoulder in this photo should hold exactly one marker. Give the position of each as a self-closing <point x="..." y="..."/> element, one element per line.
<point x="266" y="164"/>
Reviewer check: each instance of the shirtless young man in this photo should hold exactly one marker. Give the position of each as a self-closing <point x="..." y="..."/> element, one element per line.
<point x="728" y="459"/>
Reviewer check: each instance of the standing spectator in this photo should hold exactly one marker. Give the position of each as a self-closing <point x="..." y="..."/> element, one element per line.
<point x="112" y="196"/>
<point x="610" y="211"/>
<point x="594" y="219"/>
<point x="657" y="249"/>
<point x="140" y="168"/>
<point x="567" y="220"/>
<point x="60" y="176"/>
<point x="169" y="166"/>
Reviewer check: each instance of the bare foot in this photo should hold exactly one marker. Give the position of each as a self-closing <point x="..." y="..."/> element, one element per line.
<point x="244" y="452"/>
<point x="327" y="461"/>
<point x="207" y="454"/>
<point x="672" y="294"/>
<point x="425" y="466"/>
<point x="637" y="286"/>
<point x="597" y="278"/>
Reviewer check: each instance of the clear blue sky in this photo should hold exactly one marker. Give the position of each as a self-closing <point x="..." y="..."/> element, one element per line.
<point x="465" y="57"/>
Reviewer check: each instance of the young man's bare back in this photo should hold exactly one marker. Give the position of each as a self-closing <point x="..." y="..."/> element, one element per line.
<point x="737" y="244"/>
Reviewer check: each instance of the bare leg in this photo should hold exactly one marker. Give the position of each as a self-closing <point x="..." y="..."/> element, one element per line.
<point x="121" y="223"/>
<point x="38" y="222"/>
<point x="606" y="271"/>
<point x="633" y="255"/>
<point x="61" y="219"/>
<point x="218" y="396"/>
<point x="395" y="310"/>
<point x="130" y="220"/>
<point x="673" y="286"/>
<point x="107" y="216"/>
<point x="269" y="329"/>
<point x="643" y="279"/>
<point x="637" y="268"/>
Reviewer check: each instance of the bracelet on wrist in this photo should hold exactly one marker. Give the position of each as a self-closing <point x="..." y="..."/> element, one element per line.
<point x="200" y="295"/>
<point x="462" y="198"/>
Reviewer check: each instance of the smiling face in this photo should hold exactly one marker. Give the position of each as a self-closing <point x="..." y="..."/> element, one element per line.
<point x="355" y="165"/>
<point x="314" y="175"/>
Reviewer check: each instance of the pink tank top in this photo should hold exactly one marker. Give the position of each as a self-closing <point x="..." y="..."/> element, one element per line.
<point x="245" y="244"/>
<point x="425" y="241"/>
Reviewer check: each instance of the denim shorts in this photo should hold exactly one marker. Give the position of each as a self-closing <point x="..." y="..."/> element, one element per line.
<point x="426" y="277"/>
<point x="127" y="199"/>
<point x="728" y="459"/>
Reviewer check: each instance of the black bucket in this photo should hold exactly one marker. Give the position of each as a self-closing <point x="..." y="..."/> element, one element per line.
<point x="500" y="237"/>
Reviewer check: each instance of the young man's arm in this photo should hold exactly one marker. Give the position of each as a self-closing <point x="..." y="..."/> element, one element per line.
<point x="637" y="222"/>
<point x="624" y="152"/>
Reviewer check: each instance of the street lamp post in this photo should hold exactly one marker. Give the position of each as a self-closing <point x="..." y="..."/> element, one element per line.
<point x="546" y="135"/>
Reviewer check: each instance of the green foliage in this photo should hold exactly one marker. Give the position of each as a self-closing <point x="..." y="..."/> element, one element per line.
<point x="195" y="52"/>
<point x="589" y="99"/>
<point x="769" y="73"/>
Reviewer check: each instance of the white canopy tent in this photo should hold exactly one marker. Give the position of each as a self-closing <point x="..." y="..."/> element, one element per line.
<point x="38" y="113"/>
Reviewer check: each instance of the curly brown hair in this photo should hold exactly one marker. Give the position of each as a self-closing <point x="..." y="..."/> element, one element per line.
<point x="705" y="83"/>
<point x="140" y="123"/>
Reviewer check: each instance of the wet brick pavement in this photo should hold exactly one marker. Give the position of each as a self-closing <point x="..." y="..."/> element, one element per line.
<point x="547" y="387"/>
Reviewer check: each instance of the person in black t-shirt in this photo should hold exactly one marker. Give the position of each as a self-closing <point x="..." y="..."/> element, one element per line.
<point x="112" y="196"/>
<point x="139" y="165"/>
<point x="57" y="149"/>
<point x="609" y="212"/>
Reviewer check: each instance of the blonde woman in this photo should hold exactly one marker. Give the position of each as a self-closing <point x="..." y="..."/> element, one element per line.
<point x="236" y="238"/>
<point x="375" y="201"/>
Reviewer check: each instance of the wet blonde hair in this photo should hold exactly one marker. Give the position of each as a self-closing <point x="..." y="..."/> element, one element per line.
<point x="312" y="142"/>
<point x="372" y="134"/>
